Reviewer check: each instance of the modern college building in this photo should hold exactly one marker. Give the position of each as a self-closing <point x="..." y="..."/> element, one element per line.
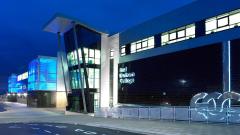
<point x="37" y="85"/>
<point x="164" y="61"/>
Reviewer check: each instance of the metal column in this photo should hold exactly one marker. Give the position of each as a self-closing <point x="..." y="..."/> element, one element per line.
<point x="84" y="68"/>
<point x="226" y="67"/>
<point x="80" y="78"/>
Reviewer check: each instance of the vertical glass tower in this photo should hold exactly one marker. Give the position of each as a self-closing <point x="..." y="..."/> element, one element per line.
<point x="90" y="42"/>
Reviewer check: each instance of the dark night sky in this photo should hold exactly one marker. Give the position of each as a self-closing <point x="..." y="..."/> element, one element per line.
<point x="22" y="38"/>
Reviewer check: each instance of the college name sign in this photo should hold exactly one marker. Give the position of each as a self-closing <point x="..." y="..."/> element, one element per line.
<point x="126" y="77"/>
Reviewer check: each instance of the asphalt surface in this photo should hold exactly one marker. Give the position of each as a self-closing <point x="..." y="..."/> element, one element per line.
<point x="2" y="107"/>
<point x="56" y="129"/>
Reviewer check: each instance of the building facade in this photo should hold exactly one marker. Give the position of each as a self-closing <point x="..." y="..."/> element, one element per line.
<point x="164" y="61"/>
<point x="37" y="85"/>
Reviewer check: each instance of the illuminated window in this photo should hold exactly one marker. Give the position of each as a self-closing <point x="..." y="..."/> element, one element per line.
<point x="190" y="31"/>
<point x="144" y="44"/>
<point x="91" y="53"/>
<point x="111" y="53"/>
<point x="151" y="42"/>
<point x="123" y="50"/>
<point x="181" y="34"/>
<point x="133" y="47"/>
<point x="141" y="45"/>
<point x="22" y="76"/>
<point x="93" y="78"/>
<point x="97" y="57"/>
<point x="178" y="34"/>
<point x="234" y="19"/>
<point x="172" y="36"/>
<point x="92" y="56"/>
<point x="223" y="22"/>
<point x="164" y="37"/>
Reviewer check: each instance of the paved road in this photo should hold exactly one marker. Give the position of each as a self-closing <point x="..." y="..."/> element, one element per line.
<point x="2" y="107"/>
<point x="56" y="129"/>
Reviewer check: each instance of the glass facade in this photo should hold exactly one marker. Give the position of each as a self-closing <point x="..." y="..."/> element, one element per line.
<point x="223" y="22"/>
<point x="235" y="65"/>
<point x="92" y="56"/>
<point x="43" y="74"/>
<point x="17" y="84"/>
<point x="13" y="85"/>
<point x="178" y="34"/>
<point x="91" y="43"/>
<point x="171" y="79"/>
<point x="93" y="78"/>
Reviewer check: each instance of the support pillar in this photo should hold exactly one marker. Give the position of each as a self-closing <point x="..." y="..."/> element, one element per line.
<point x="226" y="64"/>
<point x="62" y="66"/>
<point x="105" y="71"/>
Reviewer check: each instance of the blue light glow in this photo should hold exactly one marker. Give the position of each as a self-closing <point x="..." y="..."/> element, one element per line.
<point x="14" y="86"/>
<point x="42" y="74"/>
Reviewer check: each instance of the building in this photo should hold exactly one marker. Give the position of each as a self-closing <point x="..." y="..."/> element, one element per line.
<point x="38" y="83"/>
<point x="164" y="61"/>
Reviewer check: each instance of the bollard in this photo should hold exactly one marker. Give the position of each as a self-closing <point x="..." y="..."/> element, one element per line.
<point x="227" y="115"/>
<point x="174" y="114"/>
<point x="189" y="115"/>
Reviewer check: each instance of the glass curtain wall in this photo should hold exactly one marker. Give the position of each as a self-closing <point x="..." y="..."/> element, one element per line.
<point x="42" y="74"/>
<point x="90" y="41"/>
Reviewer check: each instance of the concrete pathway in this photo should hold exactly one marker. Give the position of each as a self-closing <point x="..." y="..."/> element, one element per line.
<point x="132" y="125"/>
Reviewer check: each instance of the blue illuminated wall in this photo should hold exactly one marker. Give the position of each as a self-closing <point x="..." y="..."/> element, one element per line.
<point x="13" y="85"/>
<point x="43" y="74"/>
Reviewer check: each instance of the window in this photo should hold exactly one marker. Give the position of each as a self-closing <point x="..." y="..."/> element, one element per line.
<point x="234" y="19"/>
<point x="178" y="34"/>
<point x="111" y="54"/>
<point x="97" y="57"/>
<point x="223" y="22"/>
<point x="133" y="47"/>
<point x="141" y="45"/>
<point x="93" y="78"/>
<point x="172" y="36"/>
<point x="181" y="34"/>
<point x="92" y="56"/>
<point x="123" y="50"/>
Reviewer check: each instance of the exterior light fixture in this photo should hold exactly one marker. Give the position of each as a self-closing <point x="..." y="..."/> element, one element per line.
<point x="25" y="94"/>
<point x="182" y="81"/>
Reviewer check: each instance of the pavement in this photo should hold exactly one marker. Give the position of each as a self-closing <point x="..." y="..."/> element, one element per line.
<point x="56" y="129"/>
<point x="18" y="113"/>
